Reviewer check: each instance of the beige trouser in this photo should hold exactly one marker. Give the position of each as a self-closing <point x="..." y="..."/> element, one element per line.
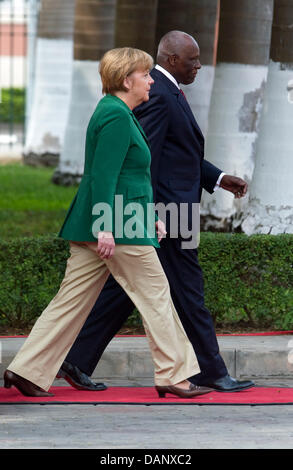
<point x="139" y="272"/>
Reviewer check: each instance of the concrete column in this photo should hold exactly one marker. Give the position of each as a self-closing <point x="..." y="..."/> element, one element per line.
<point x="93" y="36"/>
<point x="236" y="102"/>
<point x="199" y="18"/>
<point x="270" y="208"/>
<point x="32" y="25"/>
<point x="49" y="99"/>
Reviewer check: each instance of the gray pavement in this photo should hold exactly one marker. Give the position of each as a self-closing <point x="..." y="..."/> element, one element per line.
<point x="126" y="361"/>
<point x="146" y="427"/>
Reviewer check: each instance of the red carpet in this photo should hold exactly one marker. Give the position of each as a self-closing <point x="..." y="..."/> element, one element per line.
<point x="148" y="395"/>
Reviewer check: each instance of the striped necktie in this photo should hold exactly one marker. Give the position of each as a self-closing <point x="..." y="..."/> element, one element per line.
<point x="182" y="93"/>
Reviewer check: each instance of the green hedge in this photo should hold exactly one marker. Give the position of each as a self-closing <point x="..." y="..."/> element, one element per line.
<point x="248" y="280"/>
<point x="12" y="105"/>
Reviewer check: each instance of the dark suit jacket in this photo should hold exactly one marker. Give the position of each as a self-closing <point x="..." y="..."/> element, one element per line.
<point x="179" y="171"/>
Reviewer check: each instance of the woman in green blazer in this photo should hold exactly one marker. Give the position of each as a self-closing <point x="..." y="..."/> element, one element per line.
<point x="112" y="228"/>
<point x="117" y="163"/>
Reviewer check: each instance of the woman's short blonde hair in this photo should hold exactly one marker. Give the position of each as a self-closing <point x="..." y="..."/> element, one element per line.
<point x="118" y="63"/>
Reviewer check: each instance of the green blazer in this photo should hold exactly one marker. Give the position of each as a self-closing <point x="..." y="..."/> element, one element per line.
<point x="115" y="193"/>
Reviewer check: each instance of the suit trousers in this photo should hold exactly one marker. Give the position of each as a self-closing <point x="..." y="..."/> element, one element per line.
<point x="138" y="270"/>
<point x="113" y="307"/>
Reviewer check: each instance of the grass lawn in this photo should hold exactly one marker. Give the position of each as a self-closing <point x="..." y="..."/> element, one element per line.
<point x="30" y="204"/>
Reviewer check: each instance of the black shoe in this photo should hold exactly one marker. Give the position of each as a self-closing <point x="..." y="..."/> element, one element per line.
<point x="225" y="384"/>
<point x="78" y="379"/>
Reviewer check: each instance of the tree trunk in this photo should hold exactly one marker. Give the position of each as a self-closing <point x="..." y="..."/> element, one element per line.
<point x="198" y="18"/>
<point x="93" y="29"/>
<point x="49" y="99"/>
<point x="270" y="208"/>
<point x="236" y="103"/>
<point x="93" y="36"/>
<point x="136" y="24"/>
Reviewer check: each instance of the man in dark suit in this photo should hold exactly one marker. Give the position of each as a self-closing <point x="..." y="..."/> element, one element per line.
<point x="179" y="173"/>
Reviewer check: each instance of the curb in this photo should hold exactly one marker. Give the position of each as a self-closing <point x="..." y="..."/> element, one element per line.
<point x="129" y="358"/>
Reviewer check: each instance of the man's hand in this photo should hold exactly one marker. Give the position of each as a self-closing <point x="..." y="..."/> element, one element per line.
<point x="161" y="230"/>
<point x="235" y="185"/>
<point x="106" y="245"/>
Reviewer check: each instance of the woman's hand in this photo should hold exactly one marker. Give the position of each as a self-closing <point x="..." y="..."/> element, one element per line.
<point x="106" y="245"/>
<point x="161" y="230"/>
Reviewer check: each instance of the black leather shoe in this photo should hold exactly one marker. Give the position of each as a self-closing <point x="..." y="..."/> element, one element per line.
<point x="78" y="379"/>
<point x="225" y="384"/>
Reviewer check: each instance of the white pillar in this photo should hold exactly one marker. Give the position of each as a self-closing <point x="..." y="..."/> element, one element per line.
<point x="270" y="208"/>
<point x="86" y="92"/>
<point x="50" y="103"/>
<point x="93" y="36"/>
<point x="235" y="108"/>
<point x="236" y="102"/>
<point x="32" y="25"/>
<point x="52" y="83"/>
